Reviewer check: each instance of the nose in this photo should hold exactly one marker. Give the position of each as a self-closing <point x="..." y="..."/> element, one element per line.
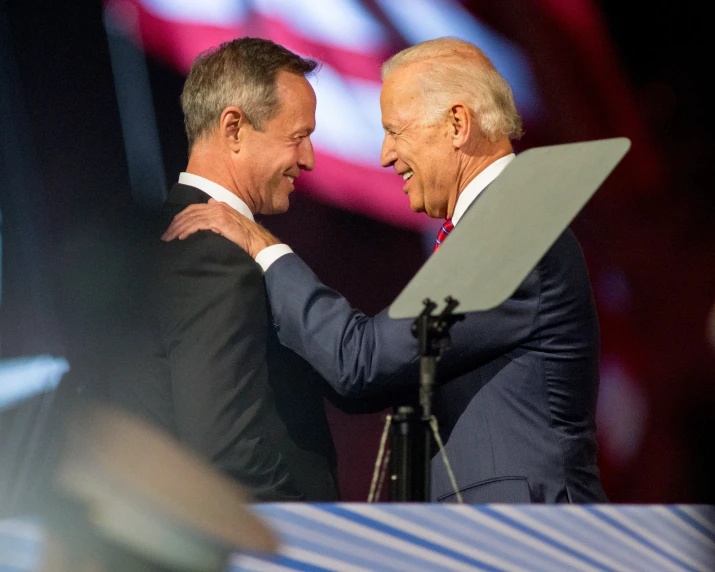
<point x="388" y="156"/>
<point x="306" y="159"/>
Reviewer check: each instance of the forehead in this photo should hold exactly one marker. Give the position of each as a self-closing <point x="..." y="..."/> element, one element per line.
<point x="400" y="96"/>
<point x="296" y="98"/>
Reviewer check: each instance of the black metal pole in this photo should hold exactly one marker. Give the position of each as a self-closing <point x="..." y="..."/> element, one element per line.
<point x="410" y="448"/>
<point x="411" y="440"/>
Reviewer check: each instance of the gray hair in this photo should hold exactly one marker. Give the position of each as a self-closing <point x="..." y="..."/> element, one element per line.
<point x="242" y="73"/>
<point x="452" y="69"/>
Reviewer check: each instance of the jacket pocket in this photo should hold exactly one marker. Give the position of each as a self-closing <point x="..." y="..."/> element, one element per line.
<point x="512" y="490"/>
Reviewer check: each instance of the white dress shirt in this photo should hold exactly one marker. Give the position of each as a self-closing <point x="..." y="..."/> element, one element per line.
<point x="477" y="185"/>
<point x="270" y="254"/>
<point x="216" y="191"/>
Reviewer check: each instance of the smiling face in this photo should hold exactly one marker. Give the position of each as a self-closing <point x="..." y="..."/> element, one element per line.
<point x="422" y="155"/>
<point x="271" y="159"/>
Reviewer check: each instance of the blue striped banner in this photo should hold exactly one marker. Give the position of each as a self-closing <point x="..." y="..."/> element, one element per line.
<point x="359" y="537"/>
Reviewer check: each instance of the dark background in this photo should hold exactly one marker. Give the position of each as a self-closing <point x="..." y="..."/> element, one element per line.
<point x="70" y="226"/>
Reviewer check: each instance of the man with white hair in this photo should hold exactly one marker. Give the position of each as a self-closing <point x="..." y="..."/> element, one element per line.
<point x="517" y="387"/>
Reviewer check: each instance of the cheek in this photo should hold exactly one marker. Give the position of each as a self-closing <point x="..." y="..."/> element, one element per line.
<point x="436" y="164"/>
<point x="277" y="179"/>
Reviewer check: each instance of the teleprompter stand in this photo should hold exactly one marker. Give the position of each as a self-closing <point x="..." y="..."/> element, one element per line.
<point x="498" y="241"/>
<point x="411" y="429"/>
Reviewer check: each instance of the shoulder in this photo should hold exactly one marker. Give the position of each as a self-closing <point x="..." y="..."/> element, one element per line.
<point x="564" y="261"/>
<point x="206" y="249"/>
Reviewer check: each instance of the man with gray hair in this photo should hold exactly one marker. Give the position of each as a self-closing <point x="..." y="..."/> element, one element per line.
<point x="218" y="379"/>
<point x="517" y="387"/>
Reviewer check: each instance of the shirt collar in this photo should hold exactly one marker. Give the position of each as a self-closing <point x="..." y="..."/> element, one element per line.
<point x="216" y="191"/>
<point x="478" y="184"/>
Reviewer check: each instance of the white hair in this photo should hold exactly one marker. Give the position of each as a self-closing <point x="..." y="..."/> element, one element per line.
<point x="449" y="70"/>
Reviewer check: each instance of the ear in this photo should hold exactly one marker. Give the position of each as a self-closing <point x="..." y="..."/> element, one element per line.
<point x="233" y="125"/>
<point x="460" y="124"/>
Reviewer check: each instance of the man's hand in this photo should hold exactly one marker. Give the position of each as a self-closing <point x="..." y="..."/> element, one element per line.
<point x="222" y="219"/>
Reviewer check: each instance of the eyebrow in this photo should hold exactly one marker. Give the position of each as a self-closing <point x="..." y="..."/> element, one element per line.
<point x="302" y="131"/>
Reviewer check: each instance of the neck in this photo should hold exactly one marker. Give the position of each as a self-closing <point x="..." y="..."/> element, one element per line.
<point x="214" y="164"/>
<point x="477" y="162"/>
<point x="474" y="162"/>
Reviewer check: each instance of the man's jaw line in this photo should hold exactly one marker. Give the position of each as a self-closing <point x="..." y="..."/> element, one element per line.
<point x="418" y="208"/>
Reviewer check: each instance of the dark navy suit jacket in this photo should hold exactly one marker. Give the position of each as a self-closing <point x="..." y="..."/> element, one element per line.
<point x="516" y="398"/>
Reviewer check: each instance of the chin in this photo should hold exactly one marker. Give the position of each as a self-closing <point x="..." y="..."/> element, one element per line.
<point x="435" y="208"/>
<point x="281" y="208"/>
<point x="278" y="205"/>
<point x="419" y="208"/>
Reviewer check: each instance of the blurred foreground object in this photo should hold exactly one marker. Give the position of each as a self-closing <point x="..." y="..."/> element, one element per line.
<point x="24" y="377"/>
<point x="147" y="501"/>
<point x="27" y="397"/>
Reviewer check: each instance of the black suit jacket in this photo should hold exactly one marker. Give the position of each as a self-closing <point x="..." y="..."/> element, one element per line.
<point x="217" y="377"/>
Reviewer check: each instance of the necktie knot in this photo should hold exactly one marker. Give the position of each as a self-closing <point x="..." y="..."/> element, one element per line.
<point x="443" y="233"/>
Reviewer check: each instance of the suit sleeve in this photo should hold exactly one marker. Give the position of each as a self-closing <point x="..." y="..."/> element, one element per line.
<point x="359" y="355"/>
<point x="214" y="324"/>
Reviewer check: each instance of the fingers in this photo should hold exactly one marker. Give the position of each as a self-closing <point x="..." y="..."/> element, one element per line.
<point x="223" y="220"/>
<point x="176" y="224"/>
<point x="197" y="217"/>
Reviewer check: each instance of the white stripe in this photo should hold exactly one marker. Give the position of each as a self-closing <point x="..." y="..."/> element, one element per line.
<point x="224" y="13"/>
<point x="519" y="516"/>
<point x="378" y="537"/>
<point x="340" y="545"/>
<point x="320" y="560"/>
<point x="347" y="117"/>
<point x="590" y="529"/>
<point x="618" y="515"/>
<point x="340" y="23"/>
<point x="420" y="20"/>
<point x="482" y="536"/>
<point x="699" y="517"/>
<point x="250" y="564"/>
<point x="431" y="535"/>
<point x="686" y="527"/>
<point x="654" y="558"/>
<point x="522" y="537"/>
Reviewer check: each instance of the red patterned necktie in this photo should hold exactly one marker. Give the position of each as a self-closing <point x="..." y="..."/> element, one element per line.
<point x="442" y="234"/>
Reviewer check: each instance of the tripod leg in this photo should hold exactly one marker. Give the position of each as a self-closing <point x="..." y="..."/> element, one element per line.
<point x="438" y="439"/>
<point x="378" y="473"/>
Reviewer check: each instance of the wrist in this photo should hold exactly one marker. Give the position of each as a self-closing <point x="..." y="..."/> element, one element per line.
<point x="263" y="240"/>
